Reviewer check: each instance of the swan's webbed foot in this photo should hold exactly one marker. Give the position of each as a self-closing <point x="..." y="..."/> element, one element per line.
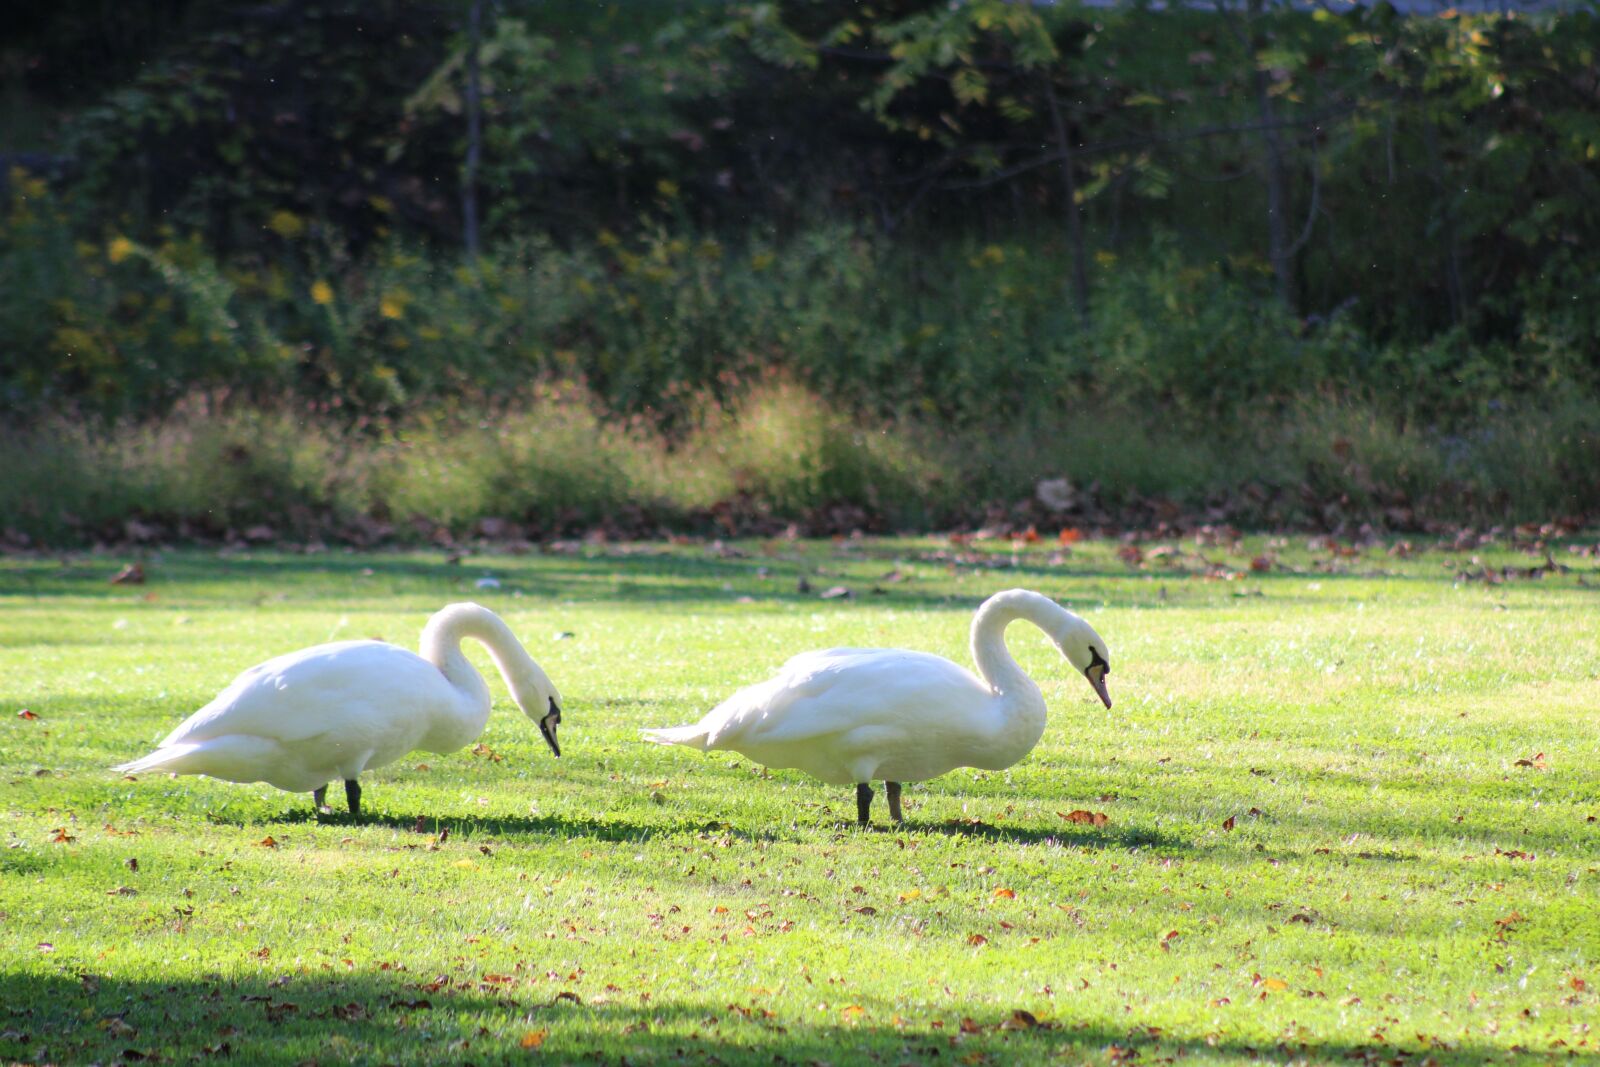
<point x="864" y="803"/>
<point x="352" y="796"/>
<point x="893" y="789"/>
<point x="319" y="800"/>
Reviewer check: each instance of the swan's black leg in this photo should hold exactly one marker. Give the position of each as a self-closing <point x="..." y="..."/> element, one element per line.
<point x="893" y="789"/>
<point x="864" y="802"/>
<point x="319" y="798"/>
<point x="352" y="796"/>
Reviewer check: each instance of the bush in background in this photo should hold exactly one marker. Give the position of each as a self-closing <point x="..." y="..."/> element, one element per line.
<point x="555" y="463"/>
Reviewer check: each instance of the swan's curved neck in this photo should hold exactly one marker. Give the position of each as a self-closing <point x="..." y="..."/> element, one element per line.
<point x="441" y="646"/>
<point x="989" y="650"/>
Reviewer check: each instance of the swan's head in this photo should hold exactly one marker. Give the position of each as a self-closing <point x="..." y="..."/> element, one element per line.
<point x="1086" y="651"/>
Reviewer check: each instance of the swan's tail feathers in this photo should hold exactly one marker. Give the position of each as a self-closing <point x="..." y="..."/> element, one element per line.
<point x="234" y="757"/>
<point x="169" y="758"/>
<point x="693" y="735"/>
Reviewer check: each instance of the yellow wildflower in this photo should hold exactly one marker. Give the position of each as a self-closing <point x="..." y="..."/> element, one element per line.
<point x="667" y="188"/>
<point x="286" y="224"/>
<point x="119" y="249"/>
<point x="391" y="306"/>
<point x="321" y="292"/>
<point x="991" y="255"/>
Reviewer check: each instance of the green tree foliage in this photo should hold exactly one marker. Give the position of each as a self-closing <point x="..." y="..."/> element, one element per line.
<point x="1354" y="199"/>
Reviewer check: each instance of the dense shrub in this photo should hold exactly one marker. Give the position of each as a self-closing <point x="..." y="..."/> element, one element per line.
<point x="963" y="331"/>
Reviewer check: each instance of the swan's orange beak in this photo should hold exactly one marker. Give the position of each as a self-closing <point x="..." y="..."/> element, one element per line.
<point x="1097" y="677"/>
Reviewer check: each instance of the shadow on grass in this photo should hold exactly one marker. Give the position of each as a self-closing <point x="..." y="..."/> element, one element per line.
<point x="1095" y="838"/>
<point x="505" y="827"/>
<point x="603" y="828"/>
<point x="400" y="1018"/>
<point x="612" y="576"/>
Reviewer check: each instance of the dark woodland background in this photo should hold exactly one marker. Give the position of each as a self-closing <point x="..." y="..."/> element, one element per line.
<point x="368" y="270"/>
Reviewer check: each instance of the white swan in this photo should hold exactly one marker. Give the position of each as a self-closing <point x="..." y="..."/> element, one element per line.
<point x="332" y="711"/>
<point x="857" y="714"/>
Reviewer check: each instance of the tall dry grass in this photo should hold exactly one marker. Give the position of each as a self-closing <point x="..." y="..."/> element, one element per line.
<point x="554" y="463"/>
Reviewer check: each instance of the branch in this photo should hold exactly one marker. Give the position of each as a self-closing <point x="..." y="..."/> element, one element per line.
<point x="1158" y="141"/>
<point x="1311" y="212"/>
<point x="928" y="183"/>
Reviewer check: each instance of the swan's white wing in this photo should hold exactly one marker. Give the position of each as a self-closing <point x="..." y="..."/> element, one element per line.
<point x="841" y="690"/>
<point x="359" y="686"/>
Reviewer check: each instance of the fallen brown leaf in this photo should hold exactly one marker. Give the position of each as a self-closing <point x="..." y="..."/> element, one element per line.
<point x="534" y="1038"/>
<point x="132" y="574"/>
<point x="1087" y="818"/>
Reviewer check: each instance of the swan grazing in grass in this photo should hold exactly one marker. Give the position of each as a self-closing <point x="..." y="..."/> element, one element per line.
<point x="332" y="711"/>
<point x="858" y="714"/>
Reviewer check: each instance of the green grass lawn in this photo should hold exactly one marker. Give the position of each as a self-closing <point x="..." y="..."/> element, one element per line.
<point x="1351" y="805"/>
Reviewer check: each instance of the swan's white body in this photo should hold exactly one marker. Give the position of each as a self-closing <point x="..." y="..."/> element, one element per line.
<point x="333" y="711"/>
<point x="857" y="714"/>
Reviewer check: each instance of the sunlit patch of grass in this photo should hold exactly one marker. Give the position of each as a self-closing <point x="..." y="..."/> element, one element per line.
<point x="1320" y="845"/>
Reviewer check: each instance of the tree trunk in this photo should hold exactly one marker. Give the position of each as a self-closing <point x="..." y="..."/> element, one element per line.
<point x="474" y="105"/>
<point x="1447" y="223"/>
<point x="1278" y="252"/>
<point x="1069" y="189"/>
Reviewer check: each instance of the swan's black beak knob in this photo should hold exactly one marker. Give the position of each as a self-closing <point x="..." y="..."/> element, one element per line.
<point x="552" y="719"/>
